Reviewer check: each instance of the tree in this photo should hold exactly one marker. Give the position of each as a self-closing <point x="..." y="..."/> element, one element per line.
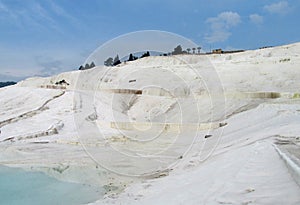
<point x="194" y="50"/>
<point x="188" y="50"/>
<point x="199" y="48"/>
<point x="177" y="50"/>
<point x="109" y="62"/>
<point x="92" y="65"/>
<point x="81" y="68"/>
<point x="116" y="61"/>
<point x="116" y="58"/>
<point x="87" y="66"/>
<point x="130" y="57"/>
<point x="145" y="54"/>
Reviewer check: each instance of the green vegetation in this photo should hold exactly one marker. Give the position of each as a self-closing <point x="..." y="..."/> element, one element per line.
<point x="116" y="61"/>
<point x="284" y="60"/>
<point x="296" y="95"/>
<point x="87" y="66"/>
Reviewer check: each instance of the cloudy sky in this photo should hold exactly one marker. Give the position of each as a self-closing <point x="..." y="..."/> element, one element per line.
<point x="45" y="37"/>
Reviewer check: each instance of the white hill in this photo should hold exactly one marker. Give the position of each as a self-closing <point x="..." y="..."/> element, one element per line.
<point x="187" y="129"/>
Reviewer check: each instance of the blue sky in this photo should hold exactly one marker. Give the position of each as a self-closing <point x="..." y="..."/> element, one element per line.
<point x="45" y="37"/>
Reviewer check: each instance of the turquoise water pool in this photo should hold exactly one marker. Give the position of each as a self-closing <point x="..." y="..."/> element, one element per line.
<point x="19" y="187"/>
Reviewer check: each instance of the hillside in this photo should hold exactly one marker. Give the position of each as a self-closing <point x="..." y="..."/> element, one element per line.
<point x="186" y="129"/>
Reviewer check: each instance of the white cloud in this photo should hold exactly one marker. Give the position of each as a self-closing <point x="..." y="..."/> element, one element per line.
<point x="220" y="26"/>
<point x="5" y="11"/>
<point x="2" y="7"/>
<point x="60" y="11"/>
<point x="256" y="19"/>
<point x="18" y="63"/>
<point x="281" y="7"/>
<point x="36" y="15"/>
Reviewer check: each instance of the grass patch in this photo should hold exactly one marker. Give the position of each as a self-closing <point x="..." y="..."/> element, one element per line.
<point x="296" y="95"/>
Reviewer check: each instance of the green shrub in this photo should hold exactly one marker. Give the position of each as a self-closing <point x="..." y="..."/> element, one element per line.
<point x="296" y="95"/>
<point x="284" y="60"/>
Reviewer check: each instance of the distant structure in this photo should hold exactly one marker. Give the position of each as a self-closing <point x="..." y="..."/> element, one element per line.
<point x="217" y="51"/>
<point x="220" y="51"/>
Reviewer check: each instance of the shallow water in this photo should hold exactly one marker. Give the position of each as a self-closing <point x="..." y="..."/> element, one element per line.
<point x="29" y="188"/>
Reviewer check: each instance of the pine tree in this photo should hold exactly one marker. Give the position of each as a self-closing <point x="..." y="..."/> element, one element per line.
<point x="177" y="50"/>
<point x="130" y="57"/>
<point x="92" y="65"/>
<point x="109" y="62"/>
<point x="116" y="61"/>
<point x="87" y="66"/>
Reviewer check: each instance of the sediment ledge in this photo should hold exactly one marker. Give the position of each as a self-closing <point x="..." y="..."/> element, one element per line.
<point x="173" y="127"/>
<point x="292" y="163"/>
